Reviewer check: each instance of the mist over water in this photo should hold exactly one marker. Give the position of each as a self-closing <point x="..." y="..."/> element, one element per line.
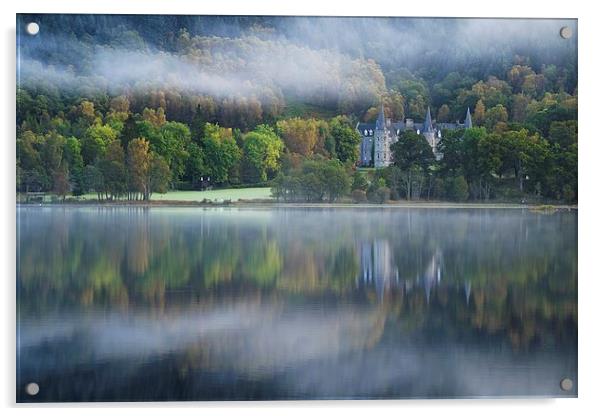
<point x="190" y="304"/>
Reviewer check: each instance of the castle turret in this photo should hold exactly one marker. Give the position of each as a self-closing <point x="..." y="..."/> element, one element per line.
<point x="468" y="121"/>
<point x="380" y="121"/>
<point x="430" y="135"/>
<point x="382" y="141"/>
<point x="428" y="121"/>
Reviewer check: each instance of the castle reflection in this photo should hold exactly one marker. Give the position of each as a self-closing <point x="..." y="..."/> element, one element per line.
<point x="379" y="270"/>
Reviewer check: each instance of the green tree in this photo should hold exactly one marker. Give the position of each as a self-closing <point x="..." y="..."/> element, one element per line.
<point x="93" y="181"/>
<point x="72" y="155"/>
<point x="113" y="169"/>
<point x="159" y="174"/>
<point x="316" y="180"/>
<point x="346" y="138"/>
<point x="221" y="153"/>
<point x="95" y="142"/>
<point x="335" y="179"/>
<point x="173" y="147"/>
<point x="51" y="152"/>
<point x="563" y="132"/>
<point x="262" y="149"/>
<point x="413" y="156"/>
<point x="129" y="132"/>
<point x="196" y="169"/>
<point x="197" y="126"/>
<point x="457" y="188"/>
<point x="31" y="173"/>
<point x="495" y="115"/>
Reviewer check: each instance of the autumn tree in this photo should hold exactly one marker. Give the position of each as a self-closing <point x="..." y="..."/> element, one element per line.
<point x="60" y="179"/>
<point x="155" y="117"/>
<point x="478" y="117"/>
<point x="299" y="135"/>
<point x="138" y="167"/>
<point x="394" y="105"/>
<point x="120" y="104"/>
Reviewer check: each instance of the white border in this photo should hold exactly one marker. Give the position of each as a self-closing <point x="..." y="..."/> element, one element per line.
<point x="590" y="98"/>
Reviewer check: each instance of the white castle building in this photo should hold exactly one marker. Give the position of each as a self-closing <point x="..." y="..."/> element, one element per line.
<point x="378" y="137"/>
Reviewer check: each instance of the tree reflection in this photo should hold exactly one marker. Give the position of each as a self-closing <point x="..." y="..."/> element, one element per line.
<point x="503" y="273"/>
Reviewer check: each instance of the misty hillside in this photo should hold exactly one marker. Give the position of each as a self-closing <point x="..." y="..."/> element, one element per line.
<point x="246" y="70"/>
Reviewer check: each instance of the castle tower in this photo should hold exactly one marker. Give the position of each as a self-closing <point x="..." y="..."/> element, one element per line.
<point x="430" y="134"/>
<point x="428" y="121"/>
<point x="382" y="141"/>
<point x="428" y="131"/>
<point x="468" y="121"/>
<point x="380" y="121"/>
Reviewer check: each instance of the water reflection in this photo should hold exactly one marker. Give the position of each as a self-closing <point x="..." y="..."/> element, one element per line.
<point x="380" y="271"/>
<point x="292" y="303"/>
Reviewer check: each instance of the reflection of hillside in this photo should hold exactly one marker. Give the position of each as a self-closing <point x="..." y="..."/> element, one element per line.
<point x="500" y="272"/>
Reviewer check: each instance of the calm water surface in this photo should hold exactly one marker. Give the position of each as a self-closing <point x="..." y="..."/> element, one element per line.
<point x="136" y="304"/>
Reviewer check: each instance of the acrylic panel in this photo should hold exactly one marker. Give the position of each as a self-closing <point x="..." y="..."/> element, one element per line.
<point x="273" y="207"/>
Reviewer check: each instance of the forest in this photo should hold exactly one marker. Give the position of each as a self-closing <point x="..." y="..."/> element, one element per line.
<point x="124" y="107"/>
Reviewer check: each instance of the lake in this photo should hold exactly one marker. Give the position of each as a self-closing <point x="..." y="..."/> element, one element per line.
<point x="133" y="303"/>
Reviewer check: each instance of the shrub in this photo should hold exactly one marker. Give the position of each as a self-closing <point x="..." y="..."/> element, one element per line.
<point x="358" y="196"/>
<point x="383" y="194"/>
<point x="359" y="181"/>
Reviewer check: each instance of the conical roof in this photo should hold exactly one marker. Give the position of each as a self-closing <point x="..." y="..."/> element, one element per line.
<point x="428" y="121"/>
<point x="380" y="121"/>
<point x="468" y="121"/>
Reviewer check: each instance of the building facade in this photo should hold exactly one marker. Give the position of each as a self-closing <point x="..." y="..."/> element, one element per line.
<point x="378" y="137"/>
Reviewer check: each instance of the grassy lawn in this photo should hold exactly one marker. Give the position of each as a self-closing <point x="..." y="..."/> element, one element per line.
<point x="216" y="194"/>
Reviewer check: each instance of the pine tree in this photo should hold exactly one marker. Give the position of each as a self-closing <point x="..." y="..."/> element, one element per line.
<point x="197" y="126"/>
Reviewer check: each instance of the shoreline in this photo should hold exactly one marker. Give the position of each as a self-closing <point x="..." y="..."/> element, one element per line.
<point x="279" y="205"/>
